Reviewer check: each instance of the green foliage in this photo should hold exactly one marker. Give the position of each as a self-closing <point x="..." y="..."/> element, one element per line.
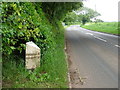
<point x="21" y="22"/>
<point x="84" y="19"/>
<point x="71" y="18"/>
<point x="41" y="23"/>
<point x="51" y="74"/>
<point x="15" y="75"/>
<point x="83" y="15"/>
<point x="107" y="27"/>
<point x="89" y="12"/>
<point x="58" y="10"/>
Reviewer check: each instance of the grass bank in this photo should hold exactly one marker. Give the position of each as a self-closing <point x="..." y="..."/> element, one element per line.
<point x="51" y="74"/>
<point x="29" y="23"/>
<point x="106" y="27"/>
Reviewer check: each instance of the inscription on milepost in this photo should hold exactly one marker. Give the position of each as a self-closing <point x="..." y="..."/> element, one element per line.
<point x="32" y="55"/>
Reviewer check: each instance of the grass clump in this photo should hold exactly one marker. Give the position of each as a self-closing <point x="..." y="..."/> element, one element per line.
<point x="106" y="27"/>
<point x="16" y="76"/>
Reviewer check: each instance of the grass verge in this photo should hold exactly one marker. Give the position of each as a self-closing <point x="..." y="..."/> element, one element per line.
<point x="51" y="74"/>
<point x="106" y="27"/>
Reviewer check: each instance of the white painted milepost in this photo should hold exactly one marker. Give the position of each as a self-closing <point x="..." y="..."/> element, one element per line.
<point x="32" y="55"/>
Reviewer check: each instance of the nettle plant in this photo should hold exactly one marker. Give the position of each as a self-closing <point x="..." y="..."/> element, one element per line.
<point x="23" y="22"/>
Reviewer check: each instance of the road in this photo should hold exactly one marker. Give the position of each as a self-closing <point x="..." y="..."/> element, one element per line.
<point x="95" y="55"/>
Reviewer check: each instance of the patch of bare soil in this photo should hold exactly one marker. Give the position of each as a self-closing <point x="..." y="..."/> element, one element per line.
<point x="75" y="80"/>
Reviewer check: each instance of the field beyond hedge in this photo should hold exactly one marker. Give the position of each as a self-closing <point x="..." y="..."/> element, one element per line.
<point x="106" y="27"/>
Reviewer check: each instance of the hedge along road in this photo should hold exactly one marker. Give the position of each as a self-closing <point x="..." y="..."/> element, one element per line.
<point x="95" y="55"/>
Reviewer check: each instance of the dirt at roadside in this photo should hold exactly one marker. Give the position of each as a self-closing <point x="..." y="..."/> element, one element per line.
<point x="75" y="80"/>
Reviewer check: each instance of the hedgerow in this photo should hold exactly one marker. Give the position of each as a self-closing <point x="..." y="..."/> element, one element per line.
<point x="41" y="23"/>
<point x="21" y="22"/>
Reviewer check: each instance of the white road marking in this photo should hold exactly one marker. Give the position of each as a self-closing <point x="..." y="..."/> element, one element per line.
<point x="101" y="33"/>
<point x="100" y="39"/>
<point x="89" y="33"/>
<point x="107" y="34"/>
<point x="117" y="46"/>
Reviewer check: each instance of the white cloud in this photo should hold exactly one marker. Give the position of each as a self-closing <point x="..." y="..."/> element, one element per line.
<point x="107" y="8"/>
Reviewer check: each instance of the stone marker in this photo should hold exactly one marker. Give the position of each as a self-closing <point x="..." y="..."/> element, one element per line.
<point x="32" y="55"/>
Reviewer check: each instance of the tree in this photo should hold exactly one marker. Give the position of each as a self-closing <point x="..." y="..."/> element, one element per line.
<point x="81" y="15"/>
<point x="87" y="14"/>
<point x="71" y="18"/>
<point x="58" y="10"/>
<point x="85" y="19"/>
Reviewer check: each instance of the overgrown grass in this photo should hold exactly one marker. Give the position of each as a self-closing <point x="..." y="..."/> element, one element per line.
<point x="106" y="27"/>
<point x="16" y="76"/>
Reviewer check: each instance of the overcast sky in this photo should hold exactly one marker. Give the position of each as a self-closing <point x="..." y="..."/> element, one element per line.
<point x="107" y="8"/>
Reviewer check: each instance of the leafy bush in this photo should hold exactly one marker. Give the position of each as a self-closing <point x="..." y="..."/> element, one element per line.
<point x="21" y="22"/>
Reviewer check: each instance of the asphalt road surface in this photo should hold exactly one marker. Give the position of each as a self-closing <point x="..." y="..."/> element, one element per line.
<point x="95" y="55"/>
